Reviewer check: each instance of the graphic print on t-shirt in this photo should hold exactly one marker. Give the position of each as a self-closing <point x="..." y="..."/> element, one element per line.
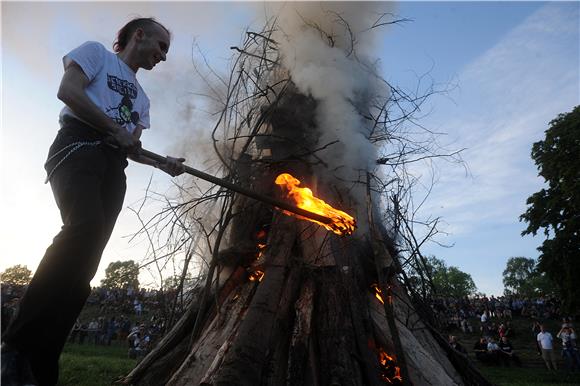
<point x="123" y="111"/>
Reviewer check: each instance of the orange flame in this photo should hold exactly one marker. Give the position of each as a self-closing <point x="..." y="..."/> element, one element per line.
<point x="257" y="275"/>
<point x="255" y="272"/>
<point x="342" y="223"/>
<point x="378" y="293"/>
<point x="261" y="249"/>
<point x="390" y="373"/>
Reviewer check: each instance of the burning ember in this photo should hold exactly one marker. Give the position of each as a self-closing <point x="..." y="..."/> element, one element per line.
<point x="261" y="248"/>
<point x="378" y="293"/>
<point x="342" y="223"/>
<point x="390" y="373"/>
<point x="255" y="270"/>
<point x="256" y="275"/>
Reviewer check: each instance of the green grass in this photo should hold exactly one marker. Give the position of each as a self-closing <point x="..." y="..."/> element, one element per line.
<point x="503" y="376"/>
<point x="90" y="365"/>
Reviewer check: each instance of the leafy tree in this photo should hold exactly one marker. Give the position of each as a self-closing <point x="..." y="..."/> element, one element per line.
<point x="556" y="209"/>
<point x="172" y="282"/>
<point x="121" y="274"/>
<point x="543" y="285"/>
<point x="460" y="284"/>
<point x="16" y="275"/>
<point x="521" y="277"/>
<point x="517" y="274"/>
<point x="449" y="281"/>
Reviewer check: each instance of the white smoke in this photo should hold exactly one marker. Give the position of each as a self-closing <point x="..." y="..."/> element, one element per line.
<point x="316" y="43"/>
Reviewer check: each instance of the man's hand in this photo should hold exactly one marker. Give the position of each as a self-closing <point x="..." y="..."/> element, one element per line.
<point x="173" y="166"/>
<point x="126" y="141"/>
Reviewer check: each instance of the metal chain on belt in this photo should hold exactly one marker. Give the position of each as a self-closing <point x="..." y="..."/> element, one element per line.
<point x="73" y="147"/>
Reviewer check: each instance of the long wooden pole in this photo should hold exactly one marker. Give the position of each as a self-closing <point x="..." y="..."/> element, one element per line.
<point x="239" y="189"/>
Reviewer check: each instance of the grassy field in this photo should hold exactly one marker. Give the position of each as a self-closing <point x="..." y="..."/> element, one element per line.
<point x="529" y="377"/>
<point x="90" y="365"/>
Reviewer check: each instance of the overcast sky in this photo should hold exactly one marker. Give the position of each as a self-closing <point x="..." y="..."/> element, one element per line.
<point x="515" y="65"/>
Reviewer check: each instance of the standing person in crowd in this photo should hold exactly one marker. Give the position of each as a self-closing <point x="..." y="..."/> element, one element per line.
<point x="484" y="318"/>
<point x="105" y="113"/>
<point x="546" y="343"/>
<point x="485" y="323"/>
<point x="569" y="347"/>
<point x="93" y="331"/>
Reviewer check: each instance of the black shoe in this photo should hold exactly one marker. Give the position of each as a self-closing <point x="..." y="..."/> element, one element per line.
<point x="16" y="369"/>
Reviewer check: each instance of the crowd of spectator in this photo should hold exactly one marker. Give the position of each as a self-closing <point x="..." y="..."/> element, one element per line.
<point x="457" y="312"/>
<point x="136" y="334"/>
<point x="128" y="301"/>
<point x="490" y="319"/>
<point x="134" y="318"/>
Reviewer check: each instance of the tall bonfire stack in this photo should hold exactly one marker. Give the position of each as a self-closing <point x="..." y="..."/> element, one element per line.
<point x="287" y="301"/>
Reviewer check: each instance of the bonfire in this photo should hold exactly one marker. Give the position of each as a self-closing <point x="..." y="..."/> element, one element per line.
<point x="285" y="299"/>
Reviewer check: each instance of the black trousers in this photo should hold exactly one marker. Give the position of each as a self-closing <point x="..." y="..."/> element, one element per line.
<point x="89" y="188"/>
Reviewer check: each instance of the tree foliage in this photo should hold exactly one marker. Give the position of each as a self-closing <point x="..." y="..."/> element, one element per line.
<point x="555" y="210"/>
<point x="16" y="275"/>
<point x="449" y="281"/>
<point x="521" y="277"/>
<point x="121" y="275"/>
<point x="174" y="282"/>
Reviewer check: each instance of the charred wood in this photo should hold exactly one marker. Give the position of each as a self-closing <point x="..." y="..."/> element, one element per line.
<point x="276" y="369"/>
<point x="300" y="341"/>
<point x="244" y="362"/>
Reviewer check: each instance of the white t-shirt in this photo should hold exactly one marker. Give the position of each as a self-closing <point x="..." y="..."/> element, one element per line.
<point x="545" y="339"/>
<point x="113" y="86"/>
